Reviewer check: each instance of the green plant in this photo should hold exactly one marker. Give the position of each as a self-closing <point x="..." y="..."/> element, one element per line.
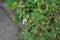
<point x="11" y="4"/>
<point x="38" y="20"/>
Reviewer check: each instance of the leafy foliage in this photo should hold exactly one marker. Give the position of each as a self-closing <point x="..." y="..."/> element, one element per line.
<point x="43" y="19"/>
<point x="11" y="4"/>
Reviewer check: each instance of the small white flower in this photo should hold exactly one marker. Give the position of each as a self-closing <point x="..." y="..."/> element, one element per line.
<point x="24" y="21"/>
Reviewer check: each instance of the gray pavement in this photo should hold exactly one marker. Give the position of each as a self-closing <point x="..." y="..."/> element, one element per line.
<point x="7" y="28"/>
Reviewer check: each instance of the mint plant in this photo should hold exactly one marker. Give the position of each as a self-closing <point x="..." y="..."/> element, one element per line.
<point x="40" y="19"/>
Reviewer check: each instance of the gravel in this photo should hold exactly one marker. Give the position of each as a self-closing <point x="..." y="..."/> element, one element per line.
<point x="7" y="28"/>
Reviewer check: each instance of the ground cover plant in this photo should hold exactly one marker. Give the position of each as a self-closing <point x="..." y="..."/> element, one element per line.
<point x="40" y="19"/>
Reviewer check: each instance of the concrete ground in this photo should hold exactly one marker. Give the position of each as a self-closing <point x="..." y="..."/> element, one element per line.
<point x="7" y="28"/>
